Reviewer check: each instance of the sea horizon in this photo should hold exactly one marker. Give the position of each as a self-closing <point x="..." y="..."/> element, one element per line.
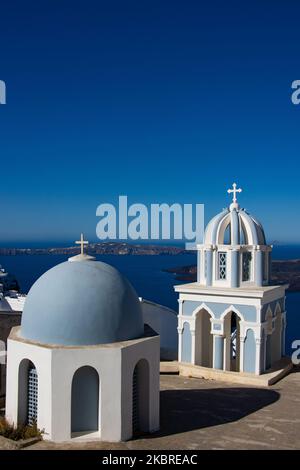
<point x="72" y="243"/>
<point x="147" y="274"/>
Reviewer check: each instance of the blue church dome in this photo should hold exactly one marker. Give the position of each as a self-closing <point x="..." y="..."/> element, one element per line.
<point x="243" y="228"/>
<point x="234" y="252"/>
<point x="82" y="302"/>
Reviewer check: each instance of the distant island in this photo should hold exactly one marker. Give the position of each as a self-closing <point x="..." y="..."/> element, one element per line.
<point x="104" y="248"/>
<point x="283" y="272"/>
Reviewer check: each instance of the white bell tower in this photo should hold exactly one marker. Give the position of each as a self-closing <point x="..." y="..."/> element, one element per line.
<point x="231" y="318"/>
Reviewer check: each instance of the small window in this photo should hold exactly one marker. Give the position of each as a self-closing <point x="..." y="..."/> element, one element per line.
<point x="247" y="257"/>
<point x="135" y="404"/>
<point x="32" y="395"/>
<point x="222" y="258"/>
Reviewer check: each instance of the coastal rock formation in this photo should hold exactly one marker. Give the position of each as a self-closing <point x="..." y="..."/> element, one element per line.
<point x="283" y="271"/>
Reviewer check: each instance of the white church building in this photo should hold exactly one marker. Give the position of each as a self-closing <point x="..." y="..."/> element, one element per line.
<point x="84" y="364"/>
<point x="81" y="364"/>
<point x="232" y="319"/>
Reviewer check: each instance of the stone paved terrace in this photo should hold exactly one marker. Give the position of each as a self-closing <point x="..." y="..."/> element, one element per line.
<point x="204" y="414"/>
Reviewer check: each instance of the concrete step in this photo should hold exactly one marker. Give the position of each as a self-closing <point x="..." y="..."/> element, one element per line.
<point x="280" y="370"/>
<point x="169" y="367"/>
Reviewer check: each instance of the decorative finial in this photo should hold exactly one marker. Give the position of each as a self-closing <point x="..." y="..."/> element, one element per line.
<point x="81" y="242"/>
<point x="234" y="191"/>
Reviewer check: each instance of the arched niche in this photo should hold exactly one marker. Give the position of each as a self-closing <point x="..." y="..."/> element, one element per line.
<point x="27" y="392"/>
<point x="140" y="397"/>
<point x="203" y="339"/>
<point x="250" y="352"/>
<point x="85" y="401"/>
<point x="186" y="353"/>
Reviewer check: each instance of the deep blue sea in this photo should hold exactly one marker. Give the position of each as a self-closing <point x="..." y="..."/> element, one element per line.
<point x="147" y="276"/>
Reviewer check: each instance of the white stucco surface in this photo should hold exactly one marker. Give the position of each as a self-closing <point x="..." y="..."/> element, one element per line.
<point x="163" y="320"/>
<point x="56" y="366"/>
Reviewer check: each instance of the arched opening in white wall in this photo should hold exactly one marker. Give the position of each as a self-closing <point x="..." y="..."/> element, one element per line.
<point x="186" y="352"/>
<point x="268" y="321"/>
<point x="232" y="341"/>
<point x="243" y="235"/>
<point x="203" y="339"/>
<point x="245" y="239"/>
<point x="276" y="338"/>
<point x="250" y="352"/>
<point x="282" y="336"/>
<point x="140" y="397"/>
<point x="85" y="402"/>
<point x="263" y="351"/>
<point x="227" y="235"/>
<point x="268" y="352"/>
<point x="27" y="393"/>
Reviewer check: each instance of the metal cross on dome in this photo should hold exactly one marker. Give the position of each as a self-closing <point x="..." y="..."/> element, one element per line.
<point x="81" y="242"/>
<point x="234" y="191"/>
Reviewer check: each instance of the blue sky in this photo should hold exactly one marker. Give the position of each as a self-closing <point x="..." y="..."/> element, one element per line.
<point x="163" y="101"/>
